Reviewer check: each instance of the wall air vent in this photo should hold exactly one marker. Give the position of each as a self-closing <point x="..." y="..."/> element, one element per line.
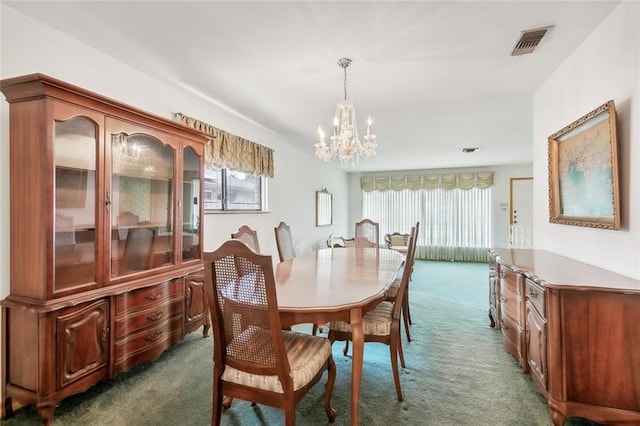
<point x="529" y="40"/>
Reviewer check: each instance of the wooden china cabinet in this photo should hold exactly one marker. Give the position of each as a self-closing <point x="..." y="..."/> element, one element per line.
<point x="105" y="239"/>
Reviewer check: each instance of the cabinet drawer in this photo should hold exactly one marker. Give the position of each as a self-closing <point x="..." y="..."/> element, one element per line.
<point x="147" y="318"/>
<point x="147" y="338"/>
<point x="511" y="332"/>
<point x="510" y="303"/>
<point x="509" y="279"/>
<point x="148" y="296"/>
<point x="535" y="294"/>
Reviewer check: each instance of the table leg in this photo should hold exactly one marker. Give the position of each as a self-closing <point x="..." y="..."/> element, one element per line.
<point x="357" y="336"/>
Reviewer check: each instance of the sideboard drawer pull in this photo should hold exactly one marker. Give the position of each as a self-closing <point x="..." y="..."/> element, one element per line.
<point x="154" y="317"/>
<point x="533" y="293"/>
<point x="153" y="297"/>
<point x="503" y="299"/>
<point x="153" y="337"/>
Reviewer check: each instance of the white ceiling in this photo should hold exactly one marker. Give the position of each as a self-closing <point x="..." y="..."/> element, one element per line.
<point x="435" y="76"/>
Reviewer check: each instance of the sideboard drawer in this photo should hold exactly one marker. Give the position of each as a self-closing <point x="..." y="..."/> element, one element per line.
<point x="148" y="317"/>
<point x="510" y="302"/>
<point x="147" y="344"/>
<point x="511" y="333"/>
<point x="535" y="294"/>
<point x="509" y="279"/>
<point x="148" y="296"/>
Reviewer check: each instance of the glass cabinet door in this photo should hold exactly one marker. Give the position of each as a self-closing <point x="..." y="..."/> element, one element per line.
<point x="141" y="203"/>
<point x="74" y="247"/>
<point x="191" y="205"/>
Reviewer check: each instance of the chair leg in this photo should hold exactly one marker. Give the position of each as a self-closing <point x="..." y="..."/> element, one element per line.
<point x="328" y="390"/>
<point x="406" y="318"/>
<point x="393" y="349"/>
<point x="401" y="352"/>
<point x="216" y="410"/>
<point x="314" y="331"/>
<point x="346" y="348"/>
<point x="290" y="414"/>
<point x="226" y="401"/>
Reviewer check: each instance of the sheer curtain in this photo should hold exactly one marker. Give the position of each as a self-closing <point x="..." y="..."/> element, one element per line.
<point x="455" y="224"/>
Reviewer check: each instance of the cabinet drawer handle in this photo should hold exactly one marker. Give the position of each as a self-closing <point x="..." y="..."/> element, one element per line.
<point x="155" y="317"/>
<point x="152" y="297"/>
<point x="533" y="293"/>
<point x="153" y="337"/>
<point x="504" y="325"/>
<point x="503" y="299"/>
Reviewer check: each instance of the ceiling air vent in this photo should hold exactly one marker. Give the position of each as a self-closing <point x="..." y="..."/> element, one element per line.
<point x="529" y="40"/>
<point x="470" y="150"/>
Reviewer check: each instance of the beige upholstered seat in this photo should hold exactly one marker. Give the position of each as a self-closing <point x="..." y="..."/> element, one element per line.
<point x="340" y="242"/>
<point x="382" y="324"/>
<point x="253" y="358"/>
<point x="397" y="241"/>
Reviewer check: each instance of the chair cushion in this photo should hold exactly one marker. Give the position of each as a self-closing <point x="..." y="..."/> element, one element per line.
<point x="397" y="240"/>
<point x="376" y="322"/>
<point x="306" y="353"/>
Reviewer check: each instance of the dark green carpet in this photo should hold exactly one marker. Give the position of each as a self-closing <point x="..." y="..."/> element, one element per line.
<point x="457" y="374"/>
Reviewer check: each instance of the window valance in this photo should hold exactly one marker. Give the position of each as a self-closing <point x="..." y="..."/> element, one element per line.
<point x="431" y="181"/>
<point x="230" y="151"/>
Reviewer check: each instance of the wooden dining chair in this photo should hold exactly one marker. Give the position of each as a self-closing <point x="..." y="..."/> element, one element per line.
<point x="253" y="358"/>
<point x="284" y="242"/>
<point x="381" y="324"/>
<point x="392" y="294"/>
<point x="247" y="236"/>
<point x="367" y="234"/>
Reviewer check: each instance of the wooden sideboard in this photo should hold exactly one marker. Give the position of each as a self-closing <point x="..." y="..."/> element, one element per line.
<point x="574" y="327"/>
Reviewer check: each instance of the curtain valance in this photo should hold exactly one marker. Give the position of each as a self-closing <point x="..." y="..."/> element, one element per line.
<point x="431" y="181"/>
<point x="230" y="151"/>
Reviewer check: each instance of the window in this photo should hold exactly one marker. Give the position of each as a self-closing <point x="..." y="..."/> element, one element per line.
<point x="232" y="190"/>
<point x="455" y="224"/>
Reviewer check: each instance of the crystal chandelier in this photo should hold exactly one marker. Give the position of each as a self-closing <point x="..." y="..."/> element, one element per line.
<point x="345" y="143"/>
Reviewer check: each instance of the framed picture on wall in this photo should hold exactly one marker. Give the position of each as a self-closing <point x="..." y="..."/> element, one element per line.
<point x="324" y="208"/>
<point x="583" y="171"/>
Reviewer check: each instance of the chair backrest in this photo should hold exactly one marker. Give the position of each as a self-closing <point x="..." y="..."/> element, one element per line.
<point x="284" y="241"/>
<point x="367" y="234"/>
<point x="406" y="274"/>
<point x="240" y="289"/>
<point x="138" y="249"/>
<point x="247" y="236"/>
<point x="396" y="239"/>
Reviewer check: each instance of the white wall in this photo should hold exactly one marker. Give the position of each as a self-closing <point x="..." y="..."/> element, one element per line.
<point x="604" y="67"/>
<point x="501" y="181"/>
<point x="28" y="46"/>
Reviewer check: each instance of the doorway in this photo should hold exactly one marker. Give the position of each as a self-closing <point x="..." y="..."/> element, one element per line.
<point x="521" y="212"/>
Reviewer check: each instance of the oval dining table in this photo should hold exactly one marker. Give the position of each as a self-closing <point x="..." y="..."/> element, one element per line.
<point x="337" y="284"/>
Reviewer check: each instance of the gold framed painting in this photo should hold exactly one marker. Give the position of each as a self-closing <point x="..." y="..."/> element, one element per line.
<point x="583" y="171"/>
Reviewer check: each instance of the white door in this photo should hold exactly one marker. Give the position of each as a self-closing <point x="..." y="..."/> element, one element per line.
<point x="521" y="216"/>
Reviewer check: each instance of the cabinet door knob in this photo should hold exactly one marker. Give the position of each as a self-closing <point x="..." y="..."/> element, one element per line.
<point x="533" y="293"/>
<point x="503" y="299"/>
